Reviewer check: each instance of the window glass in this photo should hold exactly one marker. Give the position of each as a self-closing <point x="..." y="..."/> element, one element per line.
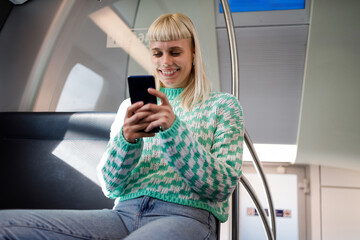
<point x="264" y="5"/>
<point x="103" y="42"/>
<point x="81" y="91"/>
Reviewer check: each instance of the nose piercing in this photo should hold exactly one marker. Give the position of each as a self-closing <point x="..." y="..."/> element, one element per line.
<point x="165" y="65"/>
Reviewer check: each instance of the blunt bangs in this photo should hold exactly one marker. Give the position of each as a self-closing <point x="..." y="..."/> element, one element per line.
<point x="168" y="29"/>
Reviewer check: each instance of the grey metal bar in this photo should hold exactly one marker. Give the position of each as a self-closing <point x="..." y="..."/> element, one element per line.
<point x="233" y="48"/>
<point x="259" y="208"/>
<point x="235" y="92"/>
<point x="235" y="213"/>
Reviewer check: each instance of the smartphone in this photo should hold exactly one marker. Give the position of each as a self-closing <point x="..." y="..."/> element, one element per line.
<point x="138" y="90"/>
<point x="138" y="86"/>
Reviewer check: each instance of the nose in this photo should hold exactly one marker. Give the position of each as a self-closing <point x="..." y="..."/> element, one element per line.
<point x="167" y="60"/>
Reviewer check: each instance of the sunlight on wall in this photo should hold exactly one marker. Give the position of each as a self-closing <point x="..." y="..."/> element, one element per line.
<point x="77" y="154"/>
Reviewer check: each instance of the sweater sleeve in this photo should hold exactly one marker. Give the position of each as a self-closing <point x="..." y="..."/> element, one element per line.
<point x="213" y="173"/>
<point x="119" y="158"/>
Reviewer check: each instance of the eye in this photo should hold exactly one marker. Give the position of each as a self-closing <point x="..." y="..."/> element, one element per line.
<point x="175" y="54"/>
<point x="157" y="54"/>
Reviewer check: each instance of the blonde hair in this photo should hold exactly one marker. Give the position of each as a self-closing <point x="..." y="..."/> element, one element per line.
<point x="177" y="26"/>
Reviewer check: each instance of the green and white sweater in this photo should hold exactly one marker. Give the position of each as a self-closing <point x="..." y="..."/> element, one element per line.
<point x="196" y="162"/>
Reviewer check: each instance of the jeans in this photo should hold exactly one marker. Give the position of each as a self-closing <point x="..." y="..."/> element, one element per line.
<point x="140" y="218"/>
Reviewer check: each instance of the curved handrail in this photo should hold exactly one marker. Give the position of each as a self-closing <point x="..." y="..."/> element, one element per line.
<point x="246" y="184"/>
<point x="261" y="173"/>
<point x="235" y="92"/>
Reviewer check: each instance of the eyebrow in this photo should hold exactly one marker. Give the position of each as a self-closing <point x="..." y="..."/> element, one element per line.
<point x="170" y="49"/>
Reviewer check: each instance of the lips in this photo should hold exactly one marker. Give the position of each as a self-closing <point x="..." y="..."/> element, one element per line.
<point x="168" y="72"/>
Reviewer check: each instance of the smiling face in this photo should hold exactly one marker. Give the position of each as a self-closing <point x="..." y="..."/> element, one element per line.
<point x="172" y="61"/>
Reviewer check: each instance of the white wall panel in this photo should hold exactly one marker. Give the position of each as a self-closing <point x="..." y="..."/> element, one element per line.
<point x="340" y="213"/>
<point x="339" y="177"/>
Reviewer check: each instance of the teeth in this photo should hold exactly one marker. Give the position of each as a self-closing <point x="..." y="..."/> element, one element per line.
<point x="168" y="73"/>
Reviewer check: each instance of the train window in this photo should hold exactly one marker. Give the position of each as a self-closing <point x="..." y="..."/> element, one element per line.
<point x="104" y="41"/>
<point x="81" y="90"/>
<point x="267" y="5"/>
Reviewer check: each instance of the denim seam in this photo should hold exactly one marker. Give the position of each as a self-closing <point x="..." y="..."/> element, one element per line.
<point x="208" y="235"/>
<point x="150" y="206"/>
<point x="209" y="226"/>
<point x="139" y="214"/>
<point x="137" y="221"/>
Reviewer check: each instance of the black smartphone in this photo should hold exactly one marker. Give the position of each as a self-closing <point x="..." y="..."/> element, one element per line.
<point x="138" y="90"/>
<point x="138" y="86"/>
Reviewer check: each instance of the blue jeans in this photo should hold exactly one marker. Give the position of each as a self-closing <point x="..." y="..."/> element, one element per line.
<point x="140" y="218"/>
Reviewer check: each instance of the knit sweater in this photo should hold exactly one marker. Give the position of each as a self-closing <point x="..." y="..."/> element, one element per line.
<point x="196" y="162"/>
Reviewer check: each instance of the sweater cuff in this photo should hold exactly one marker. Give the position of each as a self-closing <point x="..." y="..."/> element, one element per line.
<point x="172" y="131"/>
<point x="127" y="145"/>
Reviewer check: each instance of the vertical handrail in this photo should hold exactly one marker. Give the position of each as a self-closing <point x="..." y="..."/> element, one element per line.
<point x="235" y="213"/>
<point x="233" y="49"/>
<point x="235" y="92"/>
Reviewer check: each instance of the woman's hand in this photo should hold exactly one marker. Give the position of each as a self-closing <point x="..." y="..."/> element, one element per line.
<point x="161" y="115"/>
<point x="134" y="123"/>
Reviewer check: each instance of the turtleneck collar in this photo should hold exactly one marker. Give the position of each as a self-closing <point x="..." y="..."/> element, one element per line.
<point x="171" y="93"/>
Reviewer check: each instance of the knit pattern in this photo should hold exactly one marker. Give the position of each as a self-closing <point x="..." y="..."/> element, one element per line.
<point x="196" y="162"/>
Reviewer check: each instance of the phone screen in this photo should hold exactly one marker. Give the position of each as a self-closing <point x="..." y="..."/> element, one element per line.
<point x="138" y="86"/>
<point x="138" y="90"/>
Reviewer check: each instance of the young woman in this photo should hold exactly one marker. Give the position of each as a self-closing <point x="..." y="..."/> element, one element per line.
<point x="174" y="184"/>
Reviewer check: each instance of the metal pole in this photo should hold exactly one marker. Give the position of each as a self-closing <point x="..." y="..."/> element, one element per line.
<point x="235" y="213"/>
<point x="235" y="92"/>
<point x="233" y="49"/>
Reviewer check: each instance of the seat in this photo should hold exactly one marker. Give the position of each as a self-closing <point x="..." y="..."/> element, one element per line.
<point x="48" y="160"/>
